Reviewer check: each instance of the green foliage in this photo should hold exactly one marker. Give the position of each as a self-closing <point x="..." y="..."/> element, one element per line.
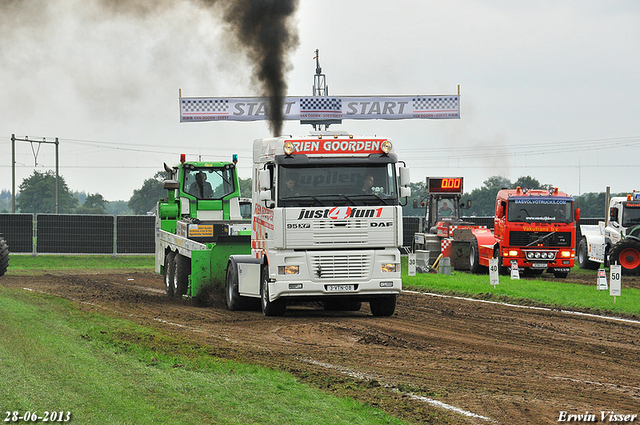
<point x="245" y="187"/>
<point x="93" y="204"/>
<point x="145" y="199"/>
<point x="483" y="199"/>
<point x="38" y="194"/>
<point x="118" y="208"/>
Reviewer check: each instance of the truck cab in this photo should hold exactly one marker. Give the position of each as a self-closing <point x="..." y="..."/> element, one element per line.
<point x="533" y="229"/>
<point x="327" y="224"/>
<point x="615" y="240"/>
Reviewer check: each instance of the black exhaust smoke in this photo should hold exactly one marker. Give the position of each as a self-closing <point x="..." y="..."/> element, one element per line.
<point x="263" y="29"/>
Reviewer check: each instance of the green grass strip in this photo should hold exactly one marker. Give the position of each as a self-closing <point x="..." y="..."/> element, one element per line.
<point x="55" y="357"/>
<point x="556" y="293"/>
<point x="21" y="263"/>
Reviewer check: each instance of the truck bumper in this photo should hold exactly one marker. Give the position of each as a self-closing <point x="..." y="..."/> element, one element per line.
<point x="362" y="274"/>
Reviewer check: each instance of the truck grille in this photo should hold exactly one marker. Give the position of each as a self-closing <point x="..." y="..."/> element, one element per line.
<point x="341" y="266"/>
<point x="558" y="239"/>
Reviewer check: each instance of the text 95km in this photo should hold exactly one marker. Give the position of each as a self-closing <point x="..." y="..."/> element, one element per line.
<point x="35" y="417"/>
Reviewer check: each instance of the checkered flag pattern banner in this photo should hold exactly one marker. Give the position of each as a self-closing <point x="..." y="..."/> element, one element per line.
<point x="205" y="105"/>
<point x="322" y="108"/>
<point x="435" y="103"/>
<point x="320" y="104"/>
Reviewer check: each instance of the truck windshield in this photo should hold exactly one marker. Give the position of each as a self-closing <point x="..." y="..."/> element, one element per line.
<point x="631" y="215"/>
<point x="536" y="210"/>
<point x="208" y="182"/>
<point x="338" y="185"/>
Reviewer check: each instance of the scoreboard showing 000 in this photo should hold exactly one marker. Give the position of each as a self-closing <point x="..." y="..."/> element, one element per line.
<point x="444" y="185"/>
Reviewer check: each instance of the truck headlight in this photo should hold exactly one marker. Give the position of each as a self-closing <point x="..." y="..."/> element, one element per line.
<point x="288" y="269"/>
<point x="288" y="148"/>
<point x="389" y="267"/>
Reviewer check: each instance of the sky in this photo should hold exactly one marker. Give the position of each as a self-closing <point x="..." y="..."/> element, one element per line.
<point x="548" y="89"/>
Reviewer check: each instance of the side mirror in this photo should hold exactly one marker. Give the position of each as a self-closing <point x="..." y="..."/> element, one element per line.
<point x="405" y="192"/>
<point x="404" y="176"/>
<point x="577" y="214"/>
<point x="265" y="195"/>
<point x="170" y="185"/>
<point x="500" y="211"/>
<point x="264" y="177"/>
<point x="613" y="214"/>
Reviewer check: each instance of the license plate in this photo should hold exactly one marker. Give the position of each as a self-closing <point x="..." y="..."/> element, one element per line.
<point x="539" y="265"/>
<point x="340" y="288"/>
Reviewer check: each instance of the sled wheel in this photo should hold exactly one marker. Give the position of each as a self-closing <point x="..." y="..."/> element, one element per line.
<point x="169" y="270"/>
<point x="181" y="271"/>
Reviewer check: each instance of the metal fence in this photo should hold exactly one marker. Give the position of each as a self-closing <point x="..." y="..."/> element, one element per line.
<point x="128" y="234"/>
<point x="78" y="234"/>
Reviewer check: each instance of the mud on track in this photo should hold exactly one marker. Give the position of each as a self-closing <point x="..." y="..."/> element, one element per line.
<point x="495" y="363"/>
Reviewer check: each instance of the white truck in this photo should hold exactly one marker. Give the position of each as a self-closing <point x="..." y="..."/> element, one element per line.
<point x="615" y="240"/>
<point x="326" y="225"/>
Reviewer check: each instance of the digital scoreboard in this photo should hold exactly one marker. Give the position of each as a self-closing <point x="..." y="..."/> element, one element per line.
<point x="444" y="185"/>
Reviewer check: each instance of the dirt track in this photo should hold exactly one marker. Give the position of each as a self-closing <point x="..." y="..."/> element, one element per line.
<point x="492" y="362"/>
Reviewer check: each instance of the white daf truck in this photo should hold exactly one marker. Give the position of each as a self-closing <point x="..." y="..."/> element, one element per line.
<point x="616" y="240"/>
<point x="326" y="225"/>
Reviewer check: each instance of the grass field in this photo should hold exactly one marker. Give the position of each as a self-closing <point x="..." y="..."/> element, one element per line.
<point x="105" y="370"/>
<point x="552" y="293"/>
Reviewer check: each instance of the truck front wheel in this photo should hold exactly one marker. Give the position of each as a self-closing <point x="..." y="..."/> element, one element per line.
<point x="269" y="308"/>
<point x="383" y="306"/>
<point x="627" y="254"/>
<point x="169" y="271"/>
<point x="234" y="300"/>
<point x="583" y="257"/>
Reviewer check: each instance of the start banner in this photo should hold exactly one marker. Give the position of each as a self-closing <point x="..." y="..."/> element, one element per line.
<point x="321" y="108"/>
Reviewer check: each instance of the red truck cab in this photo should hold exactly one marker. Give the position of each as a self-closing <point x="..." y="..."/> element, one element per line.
<point x="534" y="229"/>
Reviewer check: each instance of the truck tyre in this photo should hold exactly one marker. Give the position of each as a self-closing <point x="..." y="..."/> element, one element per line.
<point x="342" y="305"/>
<point x="583" y="257"/>
<point x="234" y="300"/>
<point x="269" y="308"/>
<point x="169" y="271"/>
<point x="502" y="270"/>
<point x="4" y="256"/>
<point x="560" y="275"/>
<point x="474" y="257"/>
<point x="383" y="306"/>
<point x="181" y="272"/>
<point x="627" y="254"/>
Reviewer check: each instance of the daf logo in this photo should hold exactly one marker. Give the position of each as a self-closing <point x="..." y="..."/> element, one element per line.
<point x="381" y="224"/>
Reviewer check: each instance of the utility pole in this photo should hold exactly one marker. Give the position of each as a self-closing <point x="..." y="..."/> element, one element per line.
<point x="13" y="168"/>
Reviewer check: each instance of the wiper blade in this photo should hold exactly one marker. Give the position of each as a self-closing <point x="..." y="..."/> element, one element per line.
<point x="386" y="201"/>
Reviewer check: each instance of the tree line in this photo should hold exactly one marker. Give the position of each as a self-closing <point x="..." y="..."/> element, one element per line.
<point x="37" y="196"/>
